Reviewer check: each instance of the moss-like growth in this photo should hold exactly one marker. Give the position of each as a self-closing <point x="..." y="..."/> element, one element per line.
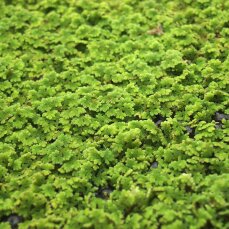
<point x="114" y="114"/>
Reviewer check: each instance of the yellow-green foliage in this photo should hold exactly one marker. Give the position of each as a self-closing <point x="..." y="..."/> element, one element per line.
<point x="114" y="114"/>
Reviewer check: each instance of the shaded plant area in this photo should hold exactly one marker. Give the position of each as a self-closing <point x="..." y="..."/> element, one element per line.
<point x="114" y="114"/>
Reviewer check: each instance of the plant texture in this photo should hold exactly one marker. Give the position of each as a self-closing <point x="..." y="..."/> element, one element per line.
<point x="114" y="114"/>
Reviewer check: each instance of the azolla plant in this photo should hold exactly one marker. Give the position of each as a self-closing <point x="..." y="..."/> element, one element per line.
<point x="114" y="114"/>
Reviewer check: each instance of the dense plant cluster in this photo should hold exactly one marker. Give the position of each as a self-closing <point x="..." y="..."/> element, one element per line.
<point x="114" y="114"/>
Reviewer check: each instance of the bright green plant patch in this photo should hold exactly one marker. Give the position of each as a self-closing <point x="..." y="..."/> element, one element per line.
<point x="114" y="114"/>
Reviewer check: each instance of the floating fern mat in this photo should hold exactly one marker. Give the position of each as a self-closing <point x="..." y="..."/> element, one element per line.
<point x="114" y="114"/>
